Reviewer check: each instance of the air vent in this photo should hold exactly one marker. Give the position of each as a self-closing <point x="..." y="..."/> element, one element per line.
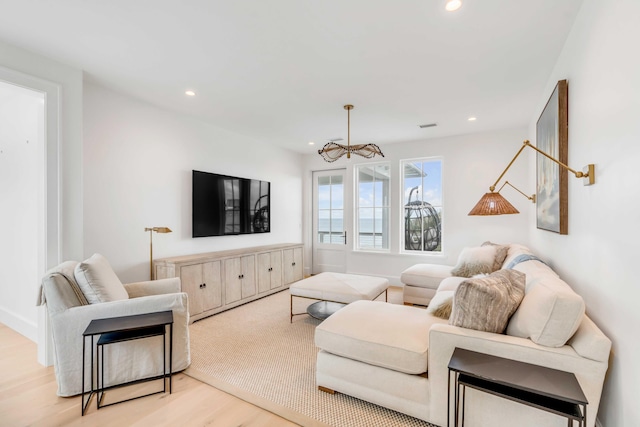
<point x="336" y="139"/>
<point x="430" y="125"/>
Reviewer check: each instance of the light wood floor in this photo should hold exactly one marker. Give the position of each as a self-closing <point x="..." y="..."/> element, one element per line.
<point x="28" y="398"/>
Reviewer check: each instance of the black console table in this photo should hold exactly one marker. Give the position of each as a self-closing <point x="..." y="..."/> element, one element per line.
<point x="544" y="388"/>
<point x="119" y="329"/>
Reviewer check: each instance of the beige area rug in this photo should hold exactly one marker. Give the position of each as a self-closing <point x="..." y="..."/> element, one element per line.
<point x="254" y="353"/>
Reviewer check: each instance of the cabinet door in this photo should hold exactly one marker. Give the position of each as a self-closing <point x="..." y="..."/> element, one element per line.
<point x="232" y="279"/>
<point x="292" y="265"/>
<point x="212" y="285"/>
<point x="264" y="272"/>
<point x="248" y="276"/>
<point x="276" y="269"/>
<point x="191" y="280"/>
<point x="203" y="284"/>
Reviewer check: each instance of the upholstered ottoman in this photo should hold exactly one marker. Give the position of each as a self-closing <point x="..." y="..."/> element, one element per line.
<point x="421" y="282"/>
<point x="379" y="353"/>
<point x="338" y="288"/>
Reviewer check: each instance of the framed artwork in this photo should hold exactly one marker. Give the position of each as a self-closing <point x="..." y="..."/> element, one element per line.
<point x="552" y="137"/>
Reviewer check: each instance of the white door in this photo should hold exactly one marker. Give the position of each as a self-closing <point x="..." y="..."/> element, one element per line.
<point x="331" y="221"/>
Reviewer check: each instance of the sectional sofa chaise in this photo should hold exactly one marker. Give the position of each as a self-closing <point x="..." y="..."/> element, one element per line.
<point x="397" y="356"/>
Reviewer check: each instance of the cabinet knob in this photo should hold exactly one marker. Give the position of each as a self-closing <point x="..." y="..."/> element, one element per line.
<point x="241" y="276"/>
<point x="204" y="285"/>
<point x="293" y="263"/>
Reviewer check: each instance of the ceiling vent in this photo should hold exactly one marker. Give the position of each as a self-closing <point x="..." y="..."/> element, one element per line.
<point x="430" y="125"/>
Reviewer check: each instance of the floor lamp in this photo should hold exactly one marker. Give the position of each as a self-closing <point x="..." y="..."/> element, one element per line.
<point x="151" y="230"/>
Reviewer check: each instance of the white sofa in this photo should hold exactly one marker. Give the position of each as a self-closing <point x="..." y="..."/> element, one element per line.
<point x="396" y="356"/>
<point x="76" y="293"/>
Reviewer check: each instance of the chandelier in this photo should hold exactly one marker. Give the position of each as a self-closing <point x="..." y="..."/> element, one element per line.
<point x="333" y="151"/>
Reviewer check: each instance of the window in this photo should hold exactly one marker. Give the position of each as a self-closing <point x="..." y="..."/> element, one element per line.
<point x="372" y="210"/>
<point x="422" y="204"/>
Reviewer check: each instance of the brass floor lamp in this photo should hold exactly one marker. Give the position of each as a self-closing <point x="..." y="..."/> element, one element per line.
<point x="151" y="230"/>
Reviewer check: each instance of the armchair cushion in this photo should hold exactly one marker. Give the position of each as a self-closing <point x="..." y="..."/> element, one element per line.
<point x="153" y="287"/>
<point x="98" y="281"/>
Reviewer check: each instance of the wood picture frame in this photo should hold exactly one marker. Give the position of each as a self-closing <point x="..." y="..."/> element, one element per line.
<point x="552" y="137"/>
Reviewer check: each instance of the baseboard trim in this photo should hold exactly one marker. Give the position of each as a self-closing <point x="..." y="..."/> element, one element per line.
<point x="19" y="324"/>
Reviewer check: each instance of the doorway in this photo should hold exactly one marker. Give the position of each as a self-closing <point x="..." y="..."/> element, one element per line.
<point x="29" y="190"/>
<point x="330" y="221"/>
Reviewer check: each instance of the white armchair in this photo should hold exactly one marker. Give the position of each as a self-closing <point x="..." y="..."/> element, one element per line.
<point x="66" y="289"/>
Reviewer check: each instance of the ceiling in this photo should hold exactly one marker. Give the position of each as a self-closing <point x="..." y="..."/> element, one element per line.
<point x="280" y="71"/>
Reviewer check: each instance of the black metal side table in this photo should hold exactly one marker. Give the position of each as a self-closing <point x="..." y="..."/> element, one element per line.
<point x="119" y="329"/>
<point x="544" y="388"/>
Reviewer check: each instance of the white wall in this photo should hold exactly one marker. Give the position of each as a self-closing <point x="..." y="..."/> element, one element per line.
<point x="137" y="173"/>
<point x="471" y="163"/>
<point x="21" y="164"/>
<point x="601" y="63"/>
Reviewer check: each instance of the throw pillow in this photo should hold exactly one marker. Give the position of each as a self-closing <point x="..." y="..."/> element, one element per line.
<point x="474" y="261"/>
<point x="98" y="281"/>
<point x="487" y="303"/>
<point x="501" y="254"/>
<point x="440" y="304"/>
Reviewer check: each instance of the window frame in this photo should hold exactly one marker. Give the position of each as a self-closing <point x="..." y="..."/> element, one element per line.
<point x="388" y="207"/>
<point x="402" y="218"/>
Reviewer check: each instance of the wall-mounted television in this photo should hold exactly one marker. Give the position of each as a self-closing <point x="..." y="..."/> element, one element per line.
<point x="226" y="205"/>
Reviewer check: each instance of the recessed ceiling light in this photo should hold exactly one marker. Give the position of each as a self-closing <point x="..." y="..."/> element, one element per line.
<point x="190" y="93"/>
<point x="472" y="119"/>
<point x="311" y="143"/>
<point x="453" y="5"/>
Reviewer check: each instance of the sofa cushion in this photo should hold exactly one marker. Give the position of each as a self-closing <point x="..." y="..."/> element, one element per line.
<point x="451" y="283"/>
<point x="515" y="250"/>
<point x="550" y="312"/>
<point x="487" y="303"/>
<point x="425" y="275"/>
<point x="381" y="334"/>
<point x="98" y="281"/>
<point x="474" y="261"/>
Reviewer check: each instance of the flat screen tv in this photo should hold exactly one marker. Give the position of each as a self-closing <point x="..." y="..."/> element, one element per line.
<point x="226" y="205"/>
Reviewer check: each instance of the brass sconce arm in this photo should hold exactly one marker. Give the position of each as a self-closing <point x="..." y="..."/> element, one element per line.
<point x="493" y="203"/>
<point x="532" y="197"/>
<point x="588" y="174"/>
